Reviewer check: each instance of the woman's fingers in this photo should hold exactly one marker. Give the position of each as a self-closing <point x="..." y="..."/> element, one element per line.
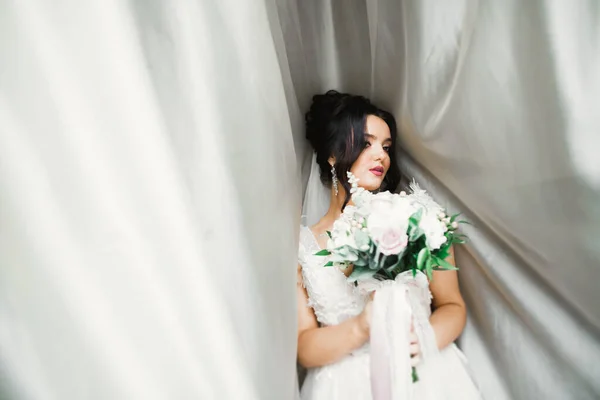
<point x="415" y="361"/>
<point x="413" y="338"/>
<point x="414" y="350"/>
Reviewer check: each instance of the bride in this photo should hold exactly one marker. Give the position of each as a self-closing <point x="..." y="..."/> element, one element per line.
<point x="348" y="133"/>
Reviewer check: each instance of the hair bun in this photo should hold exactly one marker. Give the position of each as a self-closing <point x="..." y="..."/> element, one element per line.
<point x="322" y="110"/>
<point x="331" y="124"/>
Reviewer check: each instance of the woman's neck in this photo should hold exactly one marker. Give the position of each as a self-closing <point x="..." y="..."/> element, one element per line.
<point x="335" y="210"/>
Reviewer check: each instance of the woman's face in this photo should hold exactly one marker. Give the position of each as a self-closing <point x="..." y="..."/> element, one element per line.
<point x="373" y="163"/>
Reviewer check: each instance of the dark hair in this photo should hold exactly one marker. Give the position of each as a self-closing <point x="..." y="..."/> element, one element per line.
<point x="335" y="125"/>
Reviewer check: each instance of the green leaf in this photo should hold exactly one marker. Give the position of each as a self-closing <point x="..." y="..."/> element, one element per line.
<point x="413" y="230"/>
<point x="328" y="234"/>
<point x="422" y="258"/>
<point x="329" y="264"/>
<point x="453" y="218"/>
<point x="444" y="264"/>
<point x="416" y="217"/>
<point x="413" y="221"/>
<point x="323" y="253"/>
<point x="415" y="376"/>
<point x="444" y="251"/>
<point x="415" y="234"/>
<point x="429" y="268"/>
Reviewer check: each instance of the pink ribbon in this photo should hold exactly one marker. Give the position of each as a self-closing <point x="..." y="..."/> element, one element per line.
<point x="389" y="344"/>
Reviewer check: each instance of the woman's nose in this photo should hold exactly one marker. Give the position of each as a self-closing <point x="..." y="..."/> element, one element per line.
<point x="379" y="153"/>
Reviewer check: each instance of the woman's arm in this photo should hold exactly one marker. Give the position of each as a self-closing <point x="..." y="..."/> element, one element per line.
<point x="450" y="314"/>
<point x="320" y="346"/>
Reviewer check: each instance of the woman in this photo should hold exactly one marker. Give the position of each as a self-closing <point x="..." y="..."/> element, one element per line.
<point x="348" y="133"/>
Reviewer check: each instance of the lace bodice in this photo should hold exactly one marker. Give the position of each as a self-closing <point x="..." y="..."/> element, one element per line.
<point x="331" y="296"/>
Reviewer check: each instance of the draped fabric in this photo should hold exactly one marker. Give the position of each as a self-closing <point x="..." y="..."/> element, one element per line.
<point x="150" y="202"/>
<point x="152" y="162"/>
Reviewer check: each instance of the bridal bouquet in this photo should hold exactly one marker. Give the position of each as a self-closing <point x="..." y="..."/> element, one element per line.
<point x="385" y="234"/>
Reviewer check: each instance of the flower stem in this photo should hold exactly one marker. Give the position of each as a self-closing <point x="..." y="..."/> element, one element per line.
<point x="415" y="377"/>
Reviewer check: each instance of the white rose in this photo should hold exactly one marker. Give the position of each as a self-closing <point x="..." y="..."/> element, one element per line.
<point x="403" y="208"/>
<point x="434" y="230"/>
<point x="342" y="233"/>
<point x="345" y="240"/>
<point x="381" y="204"/>
<point x="388" y="227"/>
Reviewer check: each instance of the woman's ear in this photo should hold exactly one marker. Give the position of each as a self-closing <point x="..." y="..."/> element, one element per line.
<point x="331" y="161"/>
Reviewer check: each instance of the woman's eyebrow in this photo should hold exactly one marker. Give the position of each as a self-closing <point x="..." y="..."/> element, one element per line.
<point x="369" y="136"/>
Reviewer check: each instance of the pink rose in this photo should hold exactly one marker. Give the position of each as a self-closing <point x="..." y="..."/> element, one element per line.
<point x="390" y="239"/>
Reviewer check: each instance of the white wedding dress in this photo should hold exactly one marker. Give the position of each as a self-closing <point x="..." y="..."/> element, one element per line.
<point x="442" y="374"/>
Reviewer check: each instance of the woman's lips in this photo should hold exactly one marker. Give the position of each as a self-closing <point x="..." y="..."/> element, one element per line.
<point x="377" y="171"/>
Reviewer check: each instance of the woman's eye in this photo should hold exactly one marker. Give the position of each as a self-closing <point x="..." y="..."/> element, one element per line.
<point x="367" y="144"/>
<point x="386" y="149"/>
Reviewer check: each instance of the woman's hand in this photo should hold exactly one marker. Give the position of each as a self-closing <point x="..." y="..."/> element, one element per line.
<point x="364" y="318"/>
<point x="415" y="348"/>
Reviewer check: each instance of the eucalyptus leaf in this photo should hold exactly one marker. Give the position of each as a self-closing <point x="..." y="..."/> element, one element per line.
<point x="361" y="238"/>
<point x="382" y="261"/>
<point x="346" y="253"/>
<point x="323" y="253"/>
<point x="371" y="263"/>
<point x="360" y="273"/>
<point x="361" y="262"/>
<point x="329" y="264"/>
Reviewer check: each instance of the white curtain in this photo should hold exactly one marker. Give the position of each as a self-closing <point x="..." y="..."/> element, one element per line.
<point x="152" y="161"/>
<point x="150" y="202"/>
